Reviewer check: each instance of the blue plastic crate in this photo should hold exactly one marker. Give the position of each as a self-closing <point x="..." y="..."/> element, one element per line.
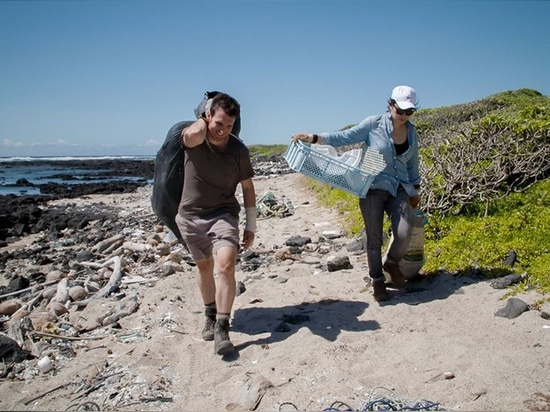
<point x="354" y="177"/>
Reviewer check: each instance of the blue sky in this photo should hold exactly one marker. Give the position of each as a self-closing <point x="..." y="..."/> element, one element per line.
<point x="98" y="77"/>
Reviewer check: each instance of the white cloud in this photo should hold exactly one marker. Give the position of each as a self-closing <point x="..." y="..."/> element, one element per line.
<point x="11" y="143"/>
<point x="63" y="147"/>
<point x="150" y="143"/>
<point x="58" y="142"/>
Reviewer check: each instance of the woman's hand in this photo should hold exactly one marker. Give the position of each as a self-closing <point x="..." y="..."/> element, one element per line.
<point x="414" y="200"/>
<point x="304" y="137"/>
<point x="307" y="137"/>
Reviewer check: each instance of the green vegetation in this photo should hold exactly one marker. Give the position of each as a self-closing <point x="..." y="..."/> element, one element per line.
<point x="520" y="223"/>
<point x="485" y="187"/>
<point x="267" y="151"/>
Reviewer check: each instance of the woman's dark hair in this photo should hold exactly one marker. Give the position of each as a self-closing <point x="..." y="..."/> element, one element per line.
<point x="228" y="104"/>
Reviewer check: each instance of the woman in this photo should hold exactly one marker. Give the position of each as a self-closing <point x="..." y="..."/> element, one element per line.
<point x="395" y="190"/>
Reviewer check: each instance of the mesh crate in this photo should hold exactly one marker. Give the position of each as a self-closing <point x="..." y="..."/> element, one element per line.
<point x="323" y="164"/>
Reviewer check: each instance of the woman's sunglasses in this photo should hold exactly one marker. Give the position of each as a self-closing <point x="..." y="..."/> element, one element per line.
<point x="408" y="112"/>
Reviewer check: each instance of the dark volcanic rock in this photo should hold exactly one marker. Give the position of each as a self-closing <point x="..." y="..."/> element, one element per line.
<point x="23" y="215"/>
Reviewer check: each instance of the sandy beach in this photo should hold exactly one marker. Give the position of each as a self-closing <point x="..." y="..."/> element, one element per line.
<point x="306" y="338"/>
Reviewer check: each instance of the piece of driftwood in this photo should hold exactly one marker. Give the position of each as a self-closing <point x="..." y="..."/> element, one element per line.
<point x="113" y="247"/>
<point x="62" y="293"/>
<point x="136" y="247"/>
<point x="111" y="286"/>
<point x="20" y="291"/>
<point x="29" y="305"/>
<point x="47" y="393"/>
<point x="126" y="307"/>
<point x="104" y="244"/>
<point x="17" y="330"/>
<point x="97" y="265"/>
<point x="53" y="335"/>
<point x="137" y="279"/>
<point x="251" y="394"/>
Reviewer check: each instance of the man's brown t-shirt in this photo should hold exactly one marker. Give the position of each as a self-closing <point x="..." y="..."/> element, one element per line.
<point x="211" y="177"/>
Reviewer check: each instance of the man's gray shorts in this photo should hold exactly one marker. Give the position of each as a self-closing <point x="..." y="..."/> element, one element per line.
<point x="206" y="235"/>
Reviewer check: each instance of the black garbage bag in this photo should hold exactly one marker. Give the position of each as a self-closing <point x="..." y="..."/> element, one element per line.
<point x="168" y="176"/>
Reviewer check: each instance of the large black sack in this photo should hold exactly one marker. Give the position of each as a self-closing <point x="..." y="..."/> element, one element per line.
<point x="168" y="176"/>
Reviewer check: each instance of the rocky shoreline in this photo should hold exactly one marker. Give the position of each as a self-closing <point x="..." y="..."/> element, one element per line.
<point x="28" y="214"/>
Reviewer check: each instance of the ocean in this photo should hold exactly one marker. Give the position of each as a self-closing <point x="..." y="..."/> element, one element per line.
<point x="24" y="175"/>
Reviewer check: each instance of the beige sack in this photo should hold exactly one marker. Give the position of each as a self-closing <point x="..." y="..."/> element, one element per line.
<point x="414" y="257"/>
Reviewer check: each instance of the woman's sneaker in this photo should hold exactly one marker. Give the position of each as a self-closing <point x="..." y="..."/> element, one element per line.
<point x="380" y="292"/>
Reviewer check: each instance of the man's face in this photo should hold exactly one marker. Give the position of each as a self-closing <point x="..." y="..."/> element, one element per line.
<point x="219" y="126"/>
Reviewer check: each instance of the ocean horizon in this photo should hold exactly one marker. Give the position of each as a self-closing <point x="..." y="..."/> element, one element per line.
<point x="62" y="158"/>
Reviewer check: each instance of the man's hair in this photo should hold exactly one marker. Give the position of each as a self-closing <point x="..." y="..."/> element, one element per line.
<point x="228" y="104"/>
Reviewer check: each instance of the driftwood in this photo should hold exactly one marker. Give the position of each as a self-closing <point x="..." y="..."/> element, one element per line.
<point x="251" y="394"/>
<point x="111" y="286"/>
<point x="136" y="247"/>
<point x="113" y="247"/>
<point x="98" y="265"/>
<point x="18" y="329"/>
<point x="35" y="398"/>
<point x="53" y="335"/>
<point x="21" y="291"/>
<point x="127" y="306"/>
<point x="104" y="244"/>
<point x="62" y="293"/>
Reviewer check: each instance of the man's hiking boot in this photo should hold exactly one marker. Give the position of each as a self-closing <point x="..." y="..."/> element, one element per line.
<point x="397" y="277"/>
<point x="209" y="326"/>
<point x="222" y="344"/>
<point x="380" y="292"/>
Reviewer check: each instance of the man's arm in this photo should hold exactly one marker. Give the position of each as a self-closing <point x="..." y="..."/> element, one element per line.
<point x="195" y="134"/>
<point x="249" y="199"/>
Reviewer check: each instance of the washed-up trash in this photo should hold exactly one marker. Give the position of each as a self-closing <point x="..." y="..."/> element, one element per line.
<point x="269" y="206"/>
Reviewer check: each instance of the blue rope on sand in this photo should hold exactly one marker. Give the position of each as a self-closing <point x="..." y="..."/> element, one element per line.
<point x="380" y="403"/>
<point x="387" y="403"/>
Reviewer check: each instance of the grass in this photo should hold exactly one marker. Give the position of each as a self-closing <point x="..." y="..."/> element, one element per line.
<point x="276" y="150"/>
<point x="519" y="223"/>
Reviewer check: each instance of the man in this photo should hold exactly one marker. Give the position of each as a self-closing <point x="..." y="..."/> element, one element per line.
<point x="208" y="216"/>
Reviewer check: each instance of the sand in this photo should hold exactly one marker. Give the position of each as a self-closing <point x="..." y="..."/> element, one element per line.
<point x="306" y="338"/>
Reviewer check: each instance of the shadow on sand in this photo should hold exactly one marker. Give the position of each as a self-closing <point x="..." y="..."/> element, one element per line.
<point x="428" y="288"/>
<point x="328" y="317"/>
<point x="325" y="318"/>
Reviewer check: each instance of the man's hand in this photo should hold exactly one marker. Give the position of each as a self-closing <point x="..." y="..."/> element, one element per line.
<point x="248" y="239"/>
<point x="195" y="134"/>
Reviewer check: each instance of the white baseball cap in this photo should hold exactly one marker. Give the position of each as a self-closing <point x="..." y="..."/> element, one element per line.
<point x="405" y="97"/>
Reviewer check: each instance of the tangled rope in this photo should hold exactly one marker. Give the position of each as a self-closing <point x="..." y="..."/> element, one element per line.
<point x="375" y="402"/>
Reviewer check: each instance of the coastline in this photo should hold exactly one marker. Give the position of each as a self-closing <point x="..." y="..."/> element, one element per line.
<point x="307" y="337"/>
<point x="22" y="213"/>
<point x="72" y="176"/>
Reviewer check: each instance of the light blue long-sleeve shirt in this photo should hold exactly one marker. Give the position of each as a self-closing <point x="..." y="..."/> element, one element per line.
<point x="376" y="131"/>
